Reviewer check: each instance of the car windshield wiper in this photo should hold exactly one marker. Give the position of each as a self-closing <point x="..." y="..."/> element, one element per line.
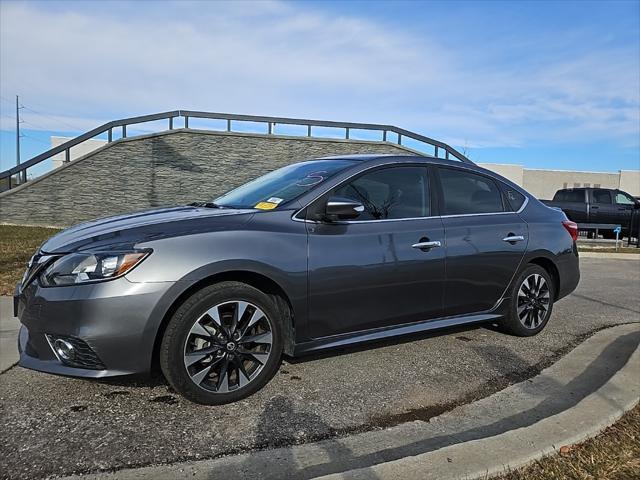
<point x="206" y="205"/>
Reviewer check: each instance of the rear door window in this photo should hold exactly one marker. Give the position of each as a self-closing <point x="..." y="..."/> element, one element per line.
<point x="602" y="196"/>
<point x="569" y="196"/>
<point x="467" y="193"/>
<point x="514" y="198"/>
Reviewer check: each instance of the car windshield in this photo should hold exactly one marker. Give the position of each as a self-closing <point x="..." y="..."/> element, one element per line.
<point x="282" y="185"/>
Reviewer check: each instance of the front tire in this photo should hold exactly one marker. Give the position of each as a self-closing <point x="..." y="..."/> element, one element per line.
<point x="531" y="302"/>
<point x="222" y="344"/>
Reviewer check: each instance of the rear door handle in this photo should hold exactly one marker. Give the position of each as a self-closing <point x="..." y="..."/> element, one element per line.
<point x="427" y="245"/>
<point x="513" y="238"/>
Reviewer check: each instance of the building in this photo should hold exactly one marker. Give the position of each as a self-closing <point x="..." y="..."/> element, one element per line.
<point x="544" y="183"/>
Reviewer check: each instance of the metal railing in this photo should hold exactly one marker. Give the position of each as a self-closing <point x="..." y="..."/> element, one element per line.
<point x="440" y="149"/>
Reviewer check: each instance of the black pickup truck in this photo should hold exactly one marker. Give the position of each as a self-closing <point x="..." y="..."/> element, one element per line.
<point x="600" y="206"/>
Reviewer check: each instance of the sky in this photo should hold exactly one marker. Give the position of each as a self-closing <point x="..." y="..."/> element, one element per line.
<point x="546" y="84"/>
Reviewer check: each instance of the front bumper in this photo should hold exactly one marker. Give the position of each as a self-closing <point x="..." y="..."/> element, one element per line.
<point x="113" y="319"/>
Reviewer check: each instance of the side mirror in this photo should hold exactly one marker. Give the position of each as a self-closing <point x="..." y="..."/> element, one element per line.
<point x="342" y="208"/>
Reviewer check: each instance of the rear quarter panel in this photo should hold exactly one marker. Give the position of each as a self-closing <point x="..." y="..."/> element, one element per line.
<point x="549" y="239"/>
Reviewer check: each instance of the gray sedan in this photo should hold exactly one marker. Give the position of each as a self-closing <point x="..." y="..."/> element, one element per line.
<point x="315" y="255"/>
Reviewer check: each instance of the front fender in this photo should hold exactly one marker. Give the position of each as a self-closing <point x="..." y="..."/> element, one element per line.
<point x="275" y="247"/>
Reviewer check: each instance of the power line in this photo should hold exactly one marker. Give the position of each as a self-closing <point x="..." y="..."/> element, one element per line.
<point x="35" y="125"/>
<point x="55" y="119"/>
<point x="39" y="127"/>
<point x="24" y="135"/>
<point x="45" y="115"/>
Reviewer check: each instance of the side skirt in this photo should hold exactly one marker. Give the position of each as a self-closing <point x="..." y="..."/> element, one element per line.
<point x="353" y="338"/>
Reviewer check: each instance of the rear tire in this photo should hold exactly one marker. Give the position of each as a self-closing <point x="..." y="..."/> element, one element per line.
<point x="531" y="302"/>
<point x="222" y="344"/>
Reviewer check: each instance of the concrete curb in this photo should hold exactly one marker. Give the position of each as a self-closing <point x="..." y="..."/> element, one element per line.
<point x="617" y="256"/>
<point x="577" y="397"/>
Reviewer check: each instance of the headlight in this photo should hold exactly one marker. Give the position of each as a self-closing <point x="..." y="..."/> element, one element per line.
<point x="90" y="267"/>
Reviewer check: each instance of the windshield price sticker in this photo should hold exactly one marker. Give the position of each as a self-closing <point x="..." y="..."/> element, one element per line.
<point x="266" y="205"/>
<point x="275" y="200"/>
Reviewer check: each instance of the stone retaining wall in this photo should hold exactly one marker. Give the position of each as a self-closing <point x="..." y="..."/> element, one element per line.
<point x="169" y="168"/>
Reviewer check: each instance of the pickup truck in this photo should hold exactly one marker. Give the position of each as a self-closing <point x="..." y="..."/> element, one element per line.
<point x="598" y="205"/>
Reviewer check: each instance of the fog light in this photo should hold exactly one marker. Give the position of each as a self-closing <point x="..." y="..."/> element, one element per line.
<point x="64" y="349"/>
<point x="74" y="352"/>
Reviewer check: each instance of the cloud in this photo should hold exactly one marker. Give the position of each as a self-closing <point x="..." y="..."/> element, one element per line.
<point x="111" y="60"/>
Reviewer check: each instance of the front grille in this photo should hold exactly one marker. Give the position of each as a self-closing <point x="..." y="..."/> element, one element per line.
<point x="84" y="356"/>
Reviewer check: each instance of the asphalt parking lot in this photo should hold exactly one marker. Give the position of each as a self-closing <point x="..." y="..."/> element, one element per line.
<point x="54" y="425"/>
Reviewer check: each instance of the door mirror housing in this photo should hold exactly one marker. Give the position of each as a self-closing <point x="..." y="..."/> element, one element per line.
<point x="343" y="208"/>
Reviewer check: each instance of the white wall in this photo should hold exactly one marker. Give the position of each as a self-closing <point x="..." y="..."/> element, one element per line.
<point x="544" y="183"/>
<point x="515" y="173"/>
<point x="75" y="152"/>
<point x="630" y="182"/>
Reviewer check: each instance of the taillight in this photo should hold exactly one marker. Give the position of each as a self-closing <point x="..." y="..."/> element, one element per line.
<point x="572" y="228"/>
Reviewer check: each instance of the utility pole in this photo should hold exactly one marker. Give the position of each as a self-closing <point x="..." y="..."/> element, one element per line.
<point x="17" y="134"/>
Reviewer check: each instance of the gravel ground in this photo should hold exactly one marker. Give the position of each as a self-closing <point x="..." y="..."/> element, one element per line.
<point x="54" y="426"/>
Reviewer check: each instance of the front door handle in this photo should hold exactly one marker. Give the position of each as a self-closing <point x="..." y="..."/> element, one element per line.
<point x="427" y="245"/>
<point x="513" y="238"/>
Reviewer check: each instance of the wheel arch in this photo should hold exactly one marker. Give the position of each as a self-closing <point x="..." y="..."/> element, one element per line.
<point x="551" y="269"/>
<point x="257" y="280"/>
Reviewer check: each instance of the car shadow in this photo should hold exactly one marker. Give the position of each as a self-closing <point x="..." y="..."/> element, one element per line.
<point x="273" y="463"/>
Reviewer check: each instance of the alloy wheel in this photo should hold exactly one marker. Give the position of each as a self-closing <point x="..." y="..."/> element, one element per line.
<point x="533" y="301"/>
<point x="228" y="346"/>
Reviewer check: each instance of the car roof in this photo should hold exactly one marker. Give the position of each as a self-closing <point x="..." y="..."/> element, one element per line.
<point x="370" y="157"/>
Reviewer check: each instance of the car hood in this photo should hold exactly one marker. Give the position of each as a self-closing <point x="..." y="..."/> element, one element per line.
<point x="124" y="231"/>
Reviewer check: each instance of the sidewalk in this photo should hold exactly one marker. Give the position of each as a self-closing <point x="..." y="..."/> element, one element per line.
<point x="9" y="328"/>
<point x="574" y="399"/>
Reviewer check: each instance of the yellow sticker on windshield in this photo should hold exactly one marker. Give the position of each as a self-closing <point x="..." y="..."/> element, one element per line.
<point x="266" y="205"/>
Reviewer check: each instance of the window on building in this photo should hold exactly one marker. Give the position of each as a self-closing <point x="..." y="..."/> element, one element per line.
<point x="576" y="185"/>
<point x="596" y="185"/>
<point x="564" y="185"/>
<point x="587" y="185"/>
